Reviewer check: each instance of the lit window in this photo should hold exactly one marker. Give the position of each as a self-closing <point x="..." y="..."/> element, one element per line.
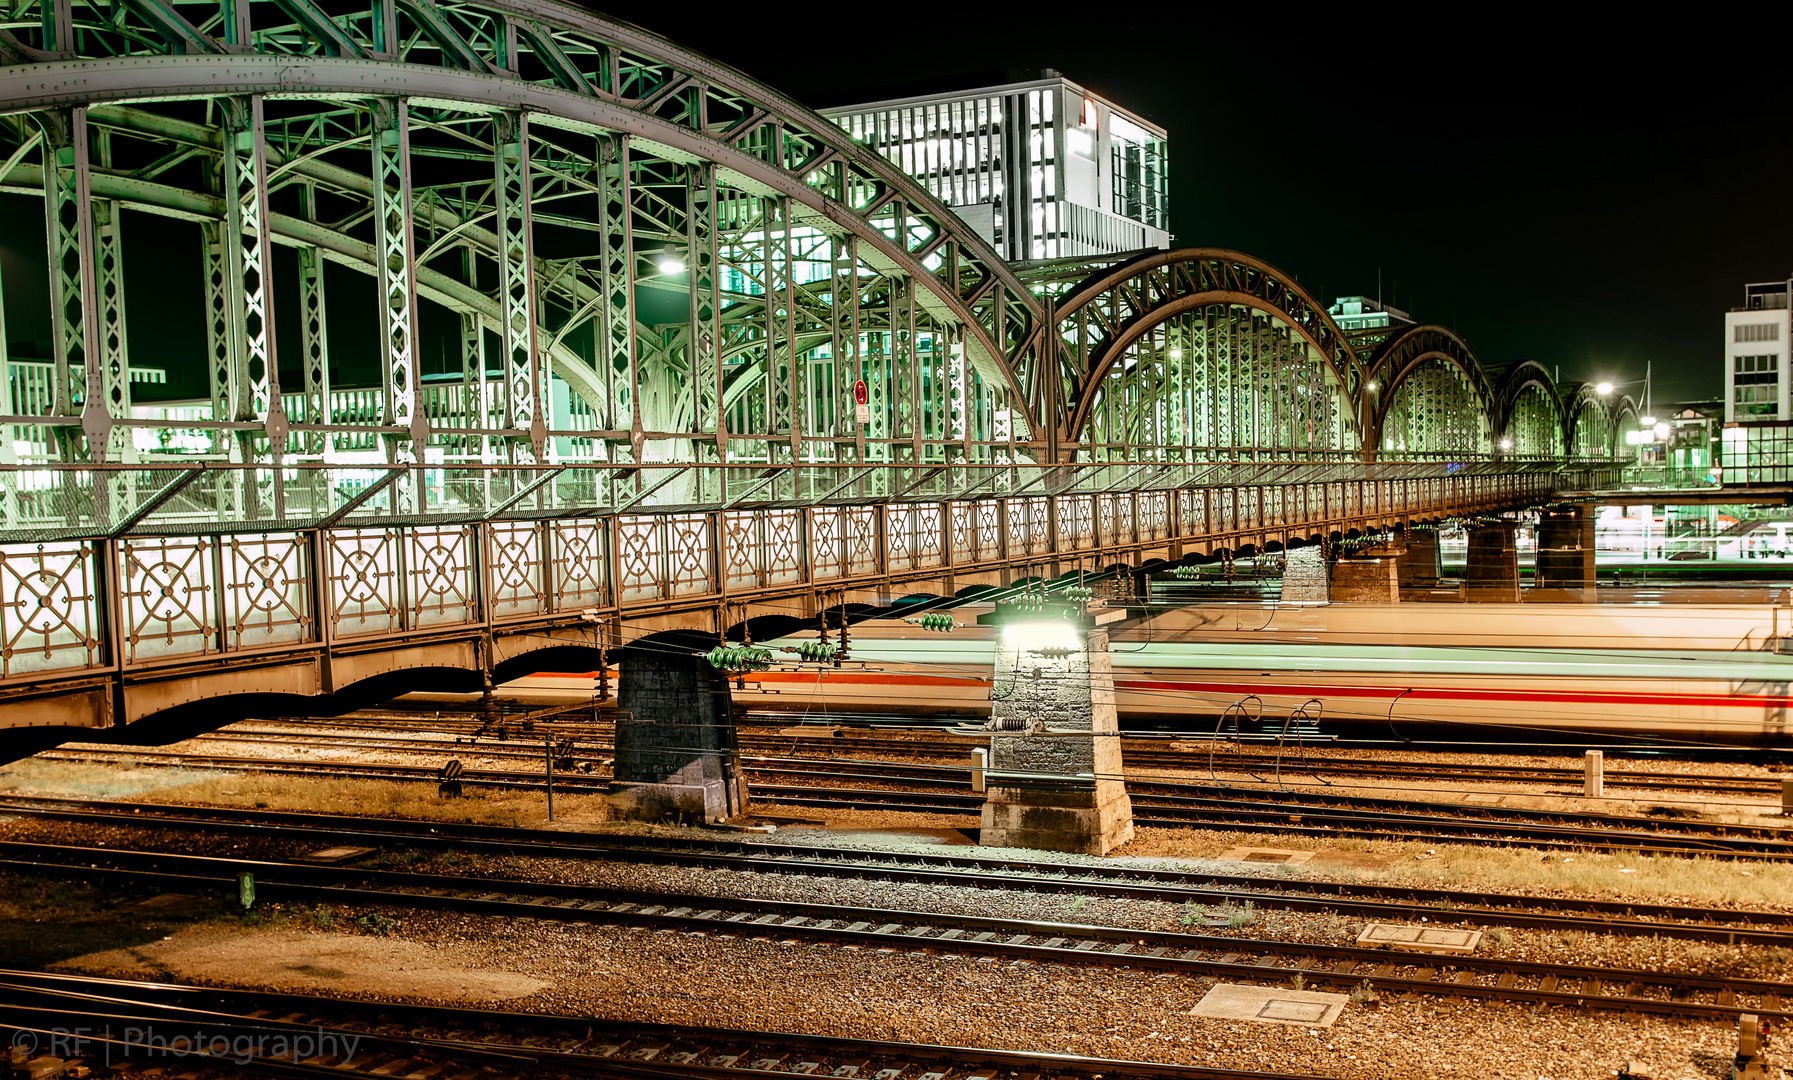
<point x="1089" y="113"/>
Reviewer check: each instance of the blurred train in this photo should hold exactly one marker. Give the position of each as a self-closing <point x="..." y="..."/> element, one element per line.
<point x="1681" y="674"/>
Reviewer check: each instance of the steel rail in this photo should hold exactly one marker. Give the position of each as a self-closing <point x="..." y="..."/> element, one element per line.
<point x="1627" y="918"/>
<point x="586" y="1046"/>
<point x="908" y="931"/>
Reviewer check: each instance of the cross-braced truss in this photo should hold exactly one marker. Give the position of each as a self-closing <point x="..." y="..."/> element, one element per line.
<point x="652" y="260"/>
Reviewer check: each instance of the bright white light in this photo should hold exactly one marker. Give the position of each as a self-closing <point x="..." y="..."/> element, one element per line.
<point x="1603" y="388"/>
<point x="1647" y="421"/>
<point x="1662" y="431"/>
<point x="1372" y="387"/>
<point x="1175" y="354"/>
<point x="1045" y="634"/>
<point x="670" y="265"/>
<point x="1506" y="444"/>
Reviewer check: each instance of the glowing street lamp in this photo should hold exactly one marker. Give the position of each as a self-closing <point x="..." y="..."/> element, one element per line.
<point x="1603" y="388"/>
<point x="670" y="264"/>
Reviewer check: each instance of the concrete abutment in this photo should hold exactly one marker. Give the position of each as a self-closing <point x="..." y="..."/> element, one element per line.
<point x="1054" y="780"/>
<point x="675" y="742"/>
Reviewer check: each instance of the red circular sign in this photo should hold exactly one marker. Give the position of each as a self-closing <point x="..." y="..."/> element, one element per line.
<point x="859" y="392"/>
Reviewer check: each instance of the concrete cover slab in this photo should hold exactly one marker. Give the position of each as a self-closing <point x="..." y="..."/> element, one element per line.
<point x="1270" y="1005"/>
<point x="1432" y="939"/>
<point x="336" y="854"/>
<point x="1267" y="855"/>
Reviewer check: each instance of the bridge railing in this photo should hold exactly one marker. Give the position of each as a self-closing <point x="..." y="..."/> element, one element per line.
<point x="168" y="585"/>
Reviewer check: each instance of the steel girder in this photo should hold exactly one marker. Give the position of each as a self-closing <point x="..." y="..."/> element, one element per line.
<point x="1098" y="322"/>
<point x="1532" y="421"/>
<point x="599" y="76"/>
<point x="1429" y="378"/>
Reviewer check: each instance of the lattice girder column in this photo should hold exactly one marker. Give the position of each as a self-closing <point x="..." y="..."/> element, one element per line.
<point x="248" y="255"/>
<point x="523" y="377"/>
<point x="220" y="355"/>
<point x="616" y="341"/>
<point x="703" y="353"/>
<point x="843" y="317"/>
<point x="73" y="286"/>
<point x="394" y="248"/>
<point x="783" y="389"/>
<point x="314" y="347"/>
<point x="114" y="350"/>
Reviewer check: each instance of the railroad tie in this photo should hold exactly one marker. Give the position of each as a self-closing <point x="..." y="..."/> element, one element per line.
<point x="1548" y="985"/>
<point x="1017" y="939"/>
<point x="1086" y="946"/>
<point x="850" y="1066"/>
<point x="854" y="928"/>
<point x="1053" y="943"/>
<point x="806" y="1067"/>
<point x="951" y="935"/>
<point x="1507" y="980"/>
<point x="987" y="935"/>
<point x="1344" y="967"/>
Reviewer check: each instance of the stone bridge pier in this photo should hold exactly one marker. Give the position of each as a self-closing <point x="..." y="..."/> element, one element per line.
<point x="675" y="741"/>
<point x="1054" y="779"/>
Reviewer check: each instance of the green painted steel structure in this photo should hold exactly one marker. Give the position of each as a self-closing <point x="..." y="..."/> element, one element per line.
<point x="712" y="351"/>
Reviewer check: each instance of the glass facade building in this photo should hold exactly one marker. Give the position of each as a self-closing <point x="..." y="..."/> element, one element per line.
<point x="1042" y="169"/>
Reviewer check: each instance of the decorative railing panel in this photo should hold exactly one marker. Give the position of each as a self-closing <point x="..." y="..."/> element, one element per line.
<point x="49" y="618"/>
<point x="266" y="590"/>
<point x="169" y="597"/>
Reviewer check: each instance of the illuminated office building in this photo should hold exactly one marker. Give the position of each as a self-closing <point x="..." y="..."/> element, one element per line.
<point x="1043" y="169"/>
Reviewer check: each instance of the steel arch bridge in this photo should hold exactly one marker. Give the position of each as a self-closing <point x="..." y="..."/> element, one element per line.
<point x="711" y="352"/>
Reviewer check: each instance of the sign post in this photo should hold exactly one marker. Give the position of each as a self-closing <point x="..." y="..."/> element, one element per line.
<point x="862" y="412"/>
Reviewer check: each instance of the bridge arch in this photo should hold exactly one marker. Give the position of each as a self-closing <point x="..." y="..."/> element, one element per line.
<point x="1166" y="349"/>
<point x="1532" y="421"/>
<point x="1592" y="423"/>
<point x="1431" y="399"/>
<point x="570" y="103"/>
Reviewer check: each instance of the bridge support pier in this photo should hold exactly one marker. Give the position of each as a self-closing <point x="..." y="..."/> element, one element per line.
<point x="1054" y="780"/>
<point x="1491" y="575"/>
<point x="1421" y="565"/>
<point x="675" y="741"/>
<point x="1366" y="579"/>
<point x="1565" y="554"/>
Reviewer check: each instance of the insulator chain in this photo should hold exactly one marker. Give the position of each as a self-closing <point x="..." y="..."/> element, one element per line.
<point x="934" y="620"/>
<point x="735" y="658"/>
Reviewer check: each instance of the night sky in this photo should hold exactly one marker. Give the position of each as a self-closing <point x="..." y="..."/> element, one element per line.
<point x="1590" y="204"/>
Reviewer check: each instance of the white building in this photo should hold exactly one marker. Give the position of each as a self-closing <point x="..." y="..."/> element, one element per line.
<point x="1756" y="372"/>
<point x="1042" y="169"/>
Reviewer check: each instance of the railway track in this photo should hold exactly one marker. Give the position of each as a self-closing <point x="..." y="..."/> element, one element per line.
<point x="442" y="1041"/>
<point x="1194" y="886"/>
<point x="1140" y="753"/>
<point x="1155" y="803"/>
<point x="1226" y="958"/>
